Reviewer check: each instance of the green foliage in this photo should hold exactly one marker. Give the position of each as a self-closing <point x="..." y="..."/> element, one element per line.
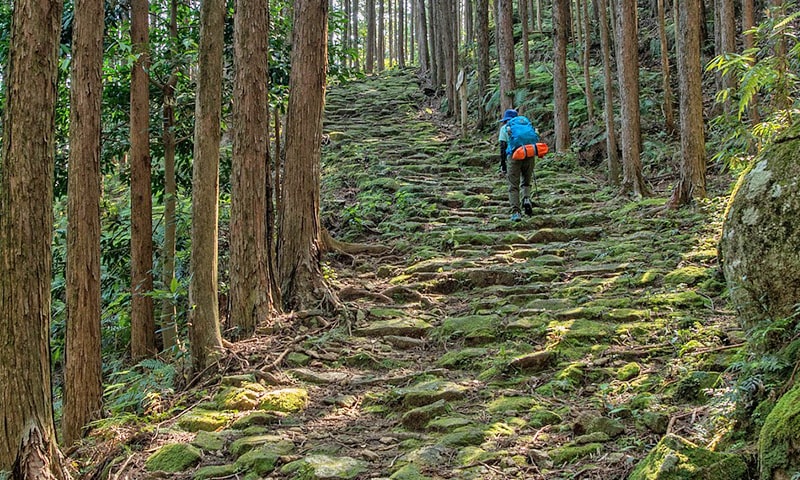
<point x="141" y="388"/>
<point x="767" y="72"/>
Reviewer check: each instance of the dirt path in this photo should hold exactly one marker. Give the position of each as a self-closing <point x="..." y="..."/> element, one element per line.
<point x="562" y="346"/>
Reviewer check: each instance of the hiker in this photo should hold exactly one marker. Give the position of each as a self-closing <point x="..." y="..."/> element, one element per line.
<point x="518" y="172"/>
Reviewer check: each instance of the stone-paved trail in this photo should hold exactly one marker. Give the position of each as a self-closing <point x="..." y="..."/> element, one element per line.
<point x="560" y="347"/>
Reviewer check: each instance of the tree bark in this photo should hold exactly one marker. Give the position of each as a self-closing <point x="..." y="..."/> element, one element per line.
<point x="143" y="325"/>
<point x="83" y="383"/>
<point x="204" y="331"/>
<point x="587" y="77"/>
<point x="526" y="54"/>
<point x="250" y="295"/>
<point x="669" y="115"/>
<point x="748" y="40"/>
<point x="448" y="50"/>
<point x="505" y="53"/>
<point x="483" y="59"/>
<point x="27" y="435"/>
<point x="692" y="183"/>
<point x="381" y="53"/>
<point x="614" y="166"/>
<point x="370" y="53"/>
<point x="422" y="37"/>
<point x="169" y="330"/>
<point x="560" y="90"/>
<point x="727" y="38"/>
<point x="356" y="48"/>
<point x="628" y="72"/>
<point x="299" y="249"/>
<point x="401" y="34"/>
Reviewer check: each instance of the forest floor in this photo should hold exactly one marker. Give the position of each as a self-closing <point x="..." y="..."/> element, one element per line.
<point x="563" y="346"/>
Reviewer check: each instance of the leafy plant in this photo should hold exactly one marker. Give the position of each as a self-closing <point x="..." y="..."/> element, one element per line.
<point x="140" y="389"/>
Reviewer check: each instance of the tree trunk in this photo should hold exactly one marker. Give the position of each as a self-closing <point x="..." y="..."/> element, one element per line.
<point x="505" y="53"/>
<point x="390" y="23"/>
<point x="83" y="382"/>
<point x="560" y="89"/>
<point x="433" y="38"/>
<point x="356" y="64"/>
<point x="422" y="37"/>
<point x="539" y="16"/>
<point x="250" y="295"/>
<point x="299" y="254"/>
<point x="526" y="55"/>
<point x="628" y="72"/>
<point x="614" y="167"/>
<point x="143" y="325"/>
<point x="669" y="116"/>
<point x="483" y="59"/>
<point x="27" y="435"/>
<point x="727" y="38"/>
<point x="370" y="53"/>
<point x="401" y="34"/>
<point x="448" y="42"/>
<point x="469" y="22"/>
<point x="204" y="331"/>
<point x="692" y="183"/>
<point x="381" y="53"/>
<point x="169" y="330"/>
<point x="587" y="48"/>
<point x="748" y="22"/>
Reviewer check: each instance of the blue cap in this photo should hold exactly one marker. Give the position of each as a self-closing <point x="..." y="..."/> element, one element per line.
<point x="510" y="113"/>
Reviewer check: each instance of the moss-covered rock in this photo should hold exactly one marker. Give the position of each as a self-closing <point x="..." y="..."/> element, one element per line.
<point x="261" y="460"/>
<point x="628" y="371"/>
<point x="689" y="275"/>
<point x="431" y="391"/>
<point x="246" y="397"/>
<point x="200" y="419"/>
<point x="216" y="471"/>
<point x="257" y="419"/>
<point x="533" y="362"/>
<point x="539" y="417"/>
<point x="408" y="472"/>
<point x="175" y="457"/>
<point x="447" y="424"/>
<point x="463" y="357"/>
<point x="285" y="400"/>
<point x="463" y="437"/>
<point x="468" y="325"/>
<point x="325" y="467"/>
<point x="272" y="443"/>
<point x="779" y="439"/>
<point x="571" y="452"/>
<point x="675" y="458"/>
<point x="417" y="418"/>
<point x="404" y="327"/>
<point x="209" y="442"/>
<point x="760" y="244"/>
<point x="656" y="422"/>
<point x="504" y="405"/>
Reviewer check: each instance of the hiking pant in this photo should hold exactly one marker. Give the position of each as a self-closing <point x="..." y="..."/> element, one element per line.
<point x="519" y="173"/>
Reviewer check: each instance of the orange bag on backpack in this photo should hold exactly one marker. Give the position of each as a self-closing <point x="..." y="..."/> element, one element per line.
<point x="530" y="151"/>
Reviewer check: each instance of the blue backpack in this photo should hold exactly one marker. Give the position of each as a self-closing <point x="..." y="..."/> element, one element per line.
<point x="520" y="132"/>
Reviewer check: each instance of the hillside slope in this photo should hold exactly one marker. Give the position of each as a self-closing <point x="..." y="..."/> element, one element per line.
<point x="562" y="346"/>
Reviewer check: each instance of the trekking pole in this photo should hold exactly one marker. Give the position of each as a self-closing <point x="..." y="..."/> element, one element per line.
<point x="535" y="187"/>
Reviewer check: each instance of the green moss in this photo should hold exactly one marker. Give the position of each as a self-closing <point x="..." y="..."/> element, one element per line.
<point x="628" y="371"/>
<point x="688" y="298"/>
<point x="689" y="275"/>
<point x="325" y="466"/>
<point x="541" y="416"/>
<point x="210" y="442"/>
<point x="569" y="453"/>
<point x="175" y="457"/>
<point x="779" y="439"/>
<point x="675" y="458"/>
<point x="265" y="442"/>
<point x="462" y="358"/>
<point x="285" y="400"/>
<point x="475" y="455"/>
<point x="502" y="405"/>
<point x="408" y="472"/>
<point x="245" y="397"/>
<point x="201" y="419"/>
<point x="462" y="437"/>
<point x="216" y="471"/>
<point x="259" y="460"/>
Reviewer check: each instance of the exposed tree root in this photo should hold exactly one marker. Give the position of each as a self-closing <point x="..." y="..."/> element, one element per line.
<point x="330" y="244"/>
<point x="405" y="291"/>
<point x="352" y="293"/>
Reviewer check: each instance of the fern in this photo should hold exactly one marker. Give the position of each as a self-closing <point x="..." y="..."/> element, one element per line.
<point x="141" y="388"/>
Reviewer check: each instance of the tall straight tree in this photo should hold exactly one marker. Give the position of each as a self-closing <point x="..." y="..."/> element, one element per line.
<point x="669" y="115"/>
<point x="143" y="325"/>
<point x="505" y="52"/>
<point x="401" y="33"/>
<point x="83" y="382"/>
<point x="561" y="22"/>
<point x="422" y="36"/>
<point x="587" y="77"/>
<point x="380" y="53"/>
<point x="628" y="72"/>
<point x="692" y="183"/>
<point x="299" y="247"/>
<point x="614" y="166"/>
<point x="448" y="53"/>
<point x="204" y="331"/>
<point x="27" y="434"/>
<point x="727" y="38"/>
<point x="250" y="295"/>
<point x="523" y="15"/>
<point x="354" y="23"/>
<point x="169" y="330"/>
<point x="482" y="17"/>
<point x="371" y="27"/>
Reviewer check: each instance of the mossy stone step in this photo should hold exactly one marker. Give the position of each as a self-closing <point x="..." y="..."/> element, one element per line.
<point x="325" y="467"/>
<point x="174" y="457"/>
<point x="675" y="458"/>
<point x="403" y="327"/>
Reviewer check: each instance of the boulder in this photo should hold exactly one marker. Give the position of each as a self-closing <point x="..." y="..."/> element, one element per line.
<point x="675" y="458"/>
<point x="760" y="245"/>
<point x="175" y="457"/>
<point x="779" y="440"/>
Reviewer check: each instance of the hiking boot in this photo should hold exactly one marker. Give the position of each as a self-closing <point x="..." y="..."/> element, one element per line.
<point x="516" y="217"/>
<point x="527" y="206"/>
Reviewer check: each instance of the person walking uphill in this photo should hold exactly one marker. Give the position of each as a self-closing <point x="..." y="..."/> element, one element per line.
<point x="516" y="132"/>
